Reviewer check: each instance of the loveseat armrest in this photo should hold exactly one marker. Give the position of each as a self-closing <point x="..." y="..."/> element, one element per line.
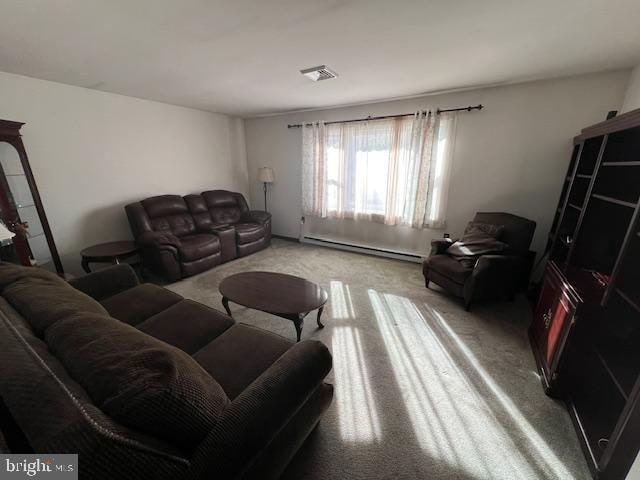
<point x="440" y="245"/>
<point x="212" y="227"/>
<point x="150" y="238"/>
<point x="107" y="282"/>
<point x="257" y="415"/>
<point x="255" y="216"/>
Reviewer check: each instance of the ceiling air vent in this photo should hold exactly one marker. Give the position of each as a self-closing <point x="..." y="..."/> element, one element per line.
<point x="318" y="73"/>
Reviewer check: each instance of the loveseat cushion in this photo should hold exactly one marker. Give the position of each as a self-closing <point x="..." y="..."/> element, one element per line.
<point x="195" y="247"/>
<point x="187" y="325"/>
<point x="240" y="355"/>
<point x="249" y="232"/>
<point x="42" y="297"/>
<point x="137" y="380"/>
<point x="135" y="305"/>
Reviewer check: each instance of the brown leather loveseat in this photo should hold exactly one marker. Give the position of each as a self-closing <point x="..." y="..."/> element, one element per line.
<point x="181" y="236"/>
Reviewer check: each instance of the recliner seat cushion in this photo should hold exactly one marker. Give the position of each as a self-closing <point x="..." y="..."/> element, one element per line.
<point x="249" y="232"/>
<point x="195" y="247"/>
<point x="135" y="305"/>
<point x="138" y="380"/>
<point x="42" y="297"/>
<point x="449" y="267"/>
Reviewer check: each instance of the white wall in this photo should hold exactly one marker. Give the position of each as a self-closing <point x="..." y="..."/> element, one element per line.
<point x="632" y="97"/>
<point x="511" y="156"/>
<point x="92" y="152"/>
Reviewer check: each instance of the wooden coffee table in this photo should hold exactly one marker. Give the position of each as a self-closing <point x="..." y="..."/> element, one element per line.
<point x="279" y="294"/>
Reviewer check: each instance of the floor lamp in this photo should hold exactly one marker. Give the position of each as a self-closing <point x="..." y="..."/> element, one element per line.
<point x="265" y="175"/>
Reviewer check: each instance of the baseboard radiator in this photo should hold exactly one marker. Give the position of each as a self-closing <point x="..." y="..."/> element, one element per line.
<point x="367" y="250"/>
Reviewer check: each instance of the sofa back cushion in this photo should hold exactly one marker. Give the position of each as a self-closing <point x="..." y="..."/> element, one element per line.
<point x="198" y="208"/>
<point x="225" y="206"/>
<point x="169" y="213"/>
<point x="139" y="381"/>
<point x="42" y="297"/>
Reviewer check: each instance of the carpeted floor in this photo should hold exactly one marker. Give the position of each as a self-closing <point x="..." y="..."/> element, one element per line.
<point x="423" y="389"/>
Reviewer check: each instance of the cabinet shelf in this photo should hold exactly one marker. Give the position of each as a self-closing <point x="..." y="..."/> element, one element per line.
<point x="614" y="200"/>
<point x="575" y="207"/>
<point x="630" y="302"/>
<point x="621" y="164"/>
<point x="612" y="375"/>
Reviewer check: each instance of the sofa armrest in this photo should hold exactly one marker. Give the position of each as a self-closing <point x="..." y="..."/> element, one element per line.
<point x="440" y="245"/>
<point x="256" y="416"/>
<point x="255" y="216"/>
<point x="107" y="281"/>
<point x="148" y="239"/>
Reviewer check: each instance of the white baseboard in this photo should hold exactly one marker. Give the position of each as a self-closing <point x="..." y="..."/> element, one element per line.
<point x="366" y="249"/>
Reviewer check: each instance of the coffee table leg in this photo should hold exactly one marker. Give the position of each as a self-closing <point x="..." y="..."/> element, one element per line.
<point x="320" y="325"/>
<point x="85" y="265"/>
<point x="298" y="322"/>
<point x="225" y="304"/>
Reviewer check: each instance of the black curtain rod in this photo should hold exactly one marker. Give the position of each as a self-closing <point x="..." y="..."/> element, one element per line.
<point x="438" y="112"/>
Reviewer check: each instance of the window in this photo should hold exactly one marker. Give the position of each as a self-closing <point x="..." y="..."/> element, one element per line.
<point x="393" y="171"/>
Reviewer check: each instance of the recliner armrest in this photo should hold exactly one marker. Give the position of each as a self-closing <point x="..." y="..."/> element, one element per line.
<point x="255" y="216"/>
<point x="440" y="245"/>
<point x="497" y="263"/>
<point x="158" y="238"/>
<point x="212" y="228"/>
<point x="256" y="416"/>
<point x="107" y="281"/>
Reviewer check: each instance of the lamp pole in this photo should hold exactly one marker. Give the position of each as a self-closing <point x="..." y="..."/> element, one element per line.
<point x="265" y="195"/>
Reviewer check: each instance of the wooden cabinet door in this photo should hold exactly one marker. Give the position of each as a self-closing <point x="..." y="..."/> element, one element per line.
<point x="551" y="325"/>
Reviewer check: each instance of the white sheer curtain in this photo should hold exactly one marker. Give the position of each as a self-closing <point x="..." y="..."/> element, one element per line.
<point x="394" y="171"/>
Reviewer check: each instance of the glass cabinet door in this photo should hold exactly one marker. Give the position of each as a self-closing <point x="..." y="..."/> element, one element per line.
<point x="19" y="213"/>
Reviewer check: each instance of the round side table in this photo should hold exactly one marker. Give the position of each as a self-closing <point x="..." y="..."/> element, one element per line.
<point x="110" y="252"/>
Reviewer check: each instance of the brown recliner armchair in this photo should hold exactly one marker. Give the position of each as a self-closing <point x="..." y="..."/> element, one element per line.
<point x="495" y="276"/>
<point x="181" y="236"/>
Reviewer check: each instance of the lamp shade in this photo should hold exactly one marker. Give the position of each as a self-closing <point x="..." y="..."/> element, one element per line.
<point x="265" y="175"/>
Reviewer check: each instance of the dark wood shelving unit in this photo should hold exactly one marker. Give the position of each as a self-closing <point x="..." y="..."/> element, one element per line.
<point x="586" y="329"/>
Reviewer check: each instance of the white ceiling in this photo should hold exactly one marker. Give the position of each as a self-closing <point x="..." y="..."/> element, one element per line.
<point x="243" y="57"/>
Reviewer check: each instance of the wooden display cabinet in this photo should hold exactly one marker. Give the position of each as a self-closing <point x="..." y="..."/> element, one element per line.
<point x="585" y="332"/>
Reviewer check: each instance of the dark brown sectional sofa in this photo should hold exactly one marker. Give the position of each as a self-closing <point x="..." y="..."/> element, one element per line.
<point x="181" y="236"/>
<point x="144" y="384"/>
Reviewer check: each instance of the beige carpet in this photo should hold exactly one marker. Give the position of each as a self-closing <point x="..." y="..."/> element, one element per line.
<point x="423" y="389"/>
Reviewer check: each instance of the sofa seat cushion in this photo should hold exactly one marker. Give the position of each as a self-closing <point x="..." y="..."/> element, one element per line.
<point x="42" y="297"/>
<point x="187" y="325"/>
<point x="201" y="245"/>
<point x="449" y="267"/>
<point x="249" y="232"/>
<point x="240" y="355"/>
<point x="135" y="305"/>
<point x="137" y="380"/>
